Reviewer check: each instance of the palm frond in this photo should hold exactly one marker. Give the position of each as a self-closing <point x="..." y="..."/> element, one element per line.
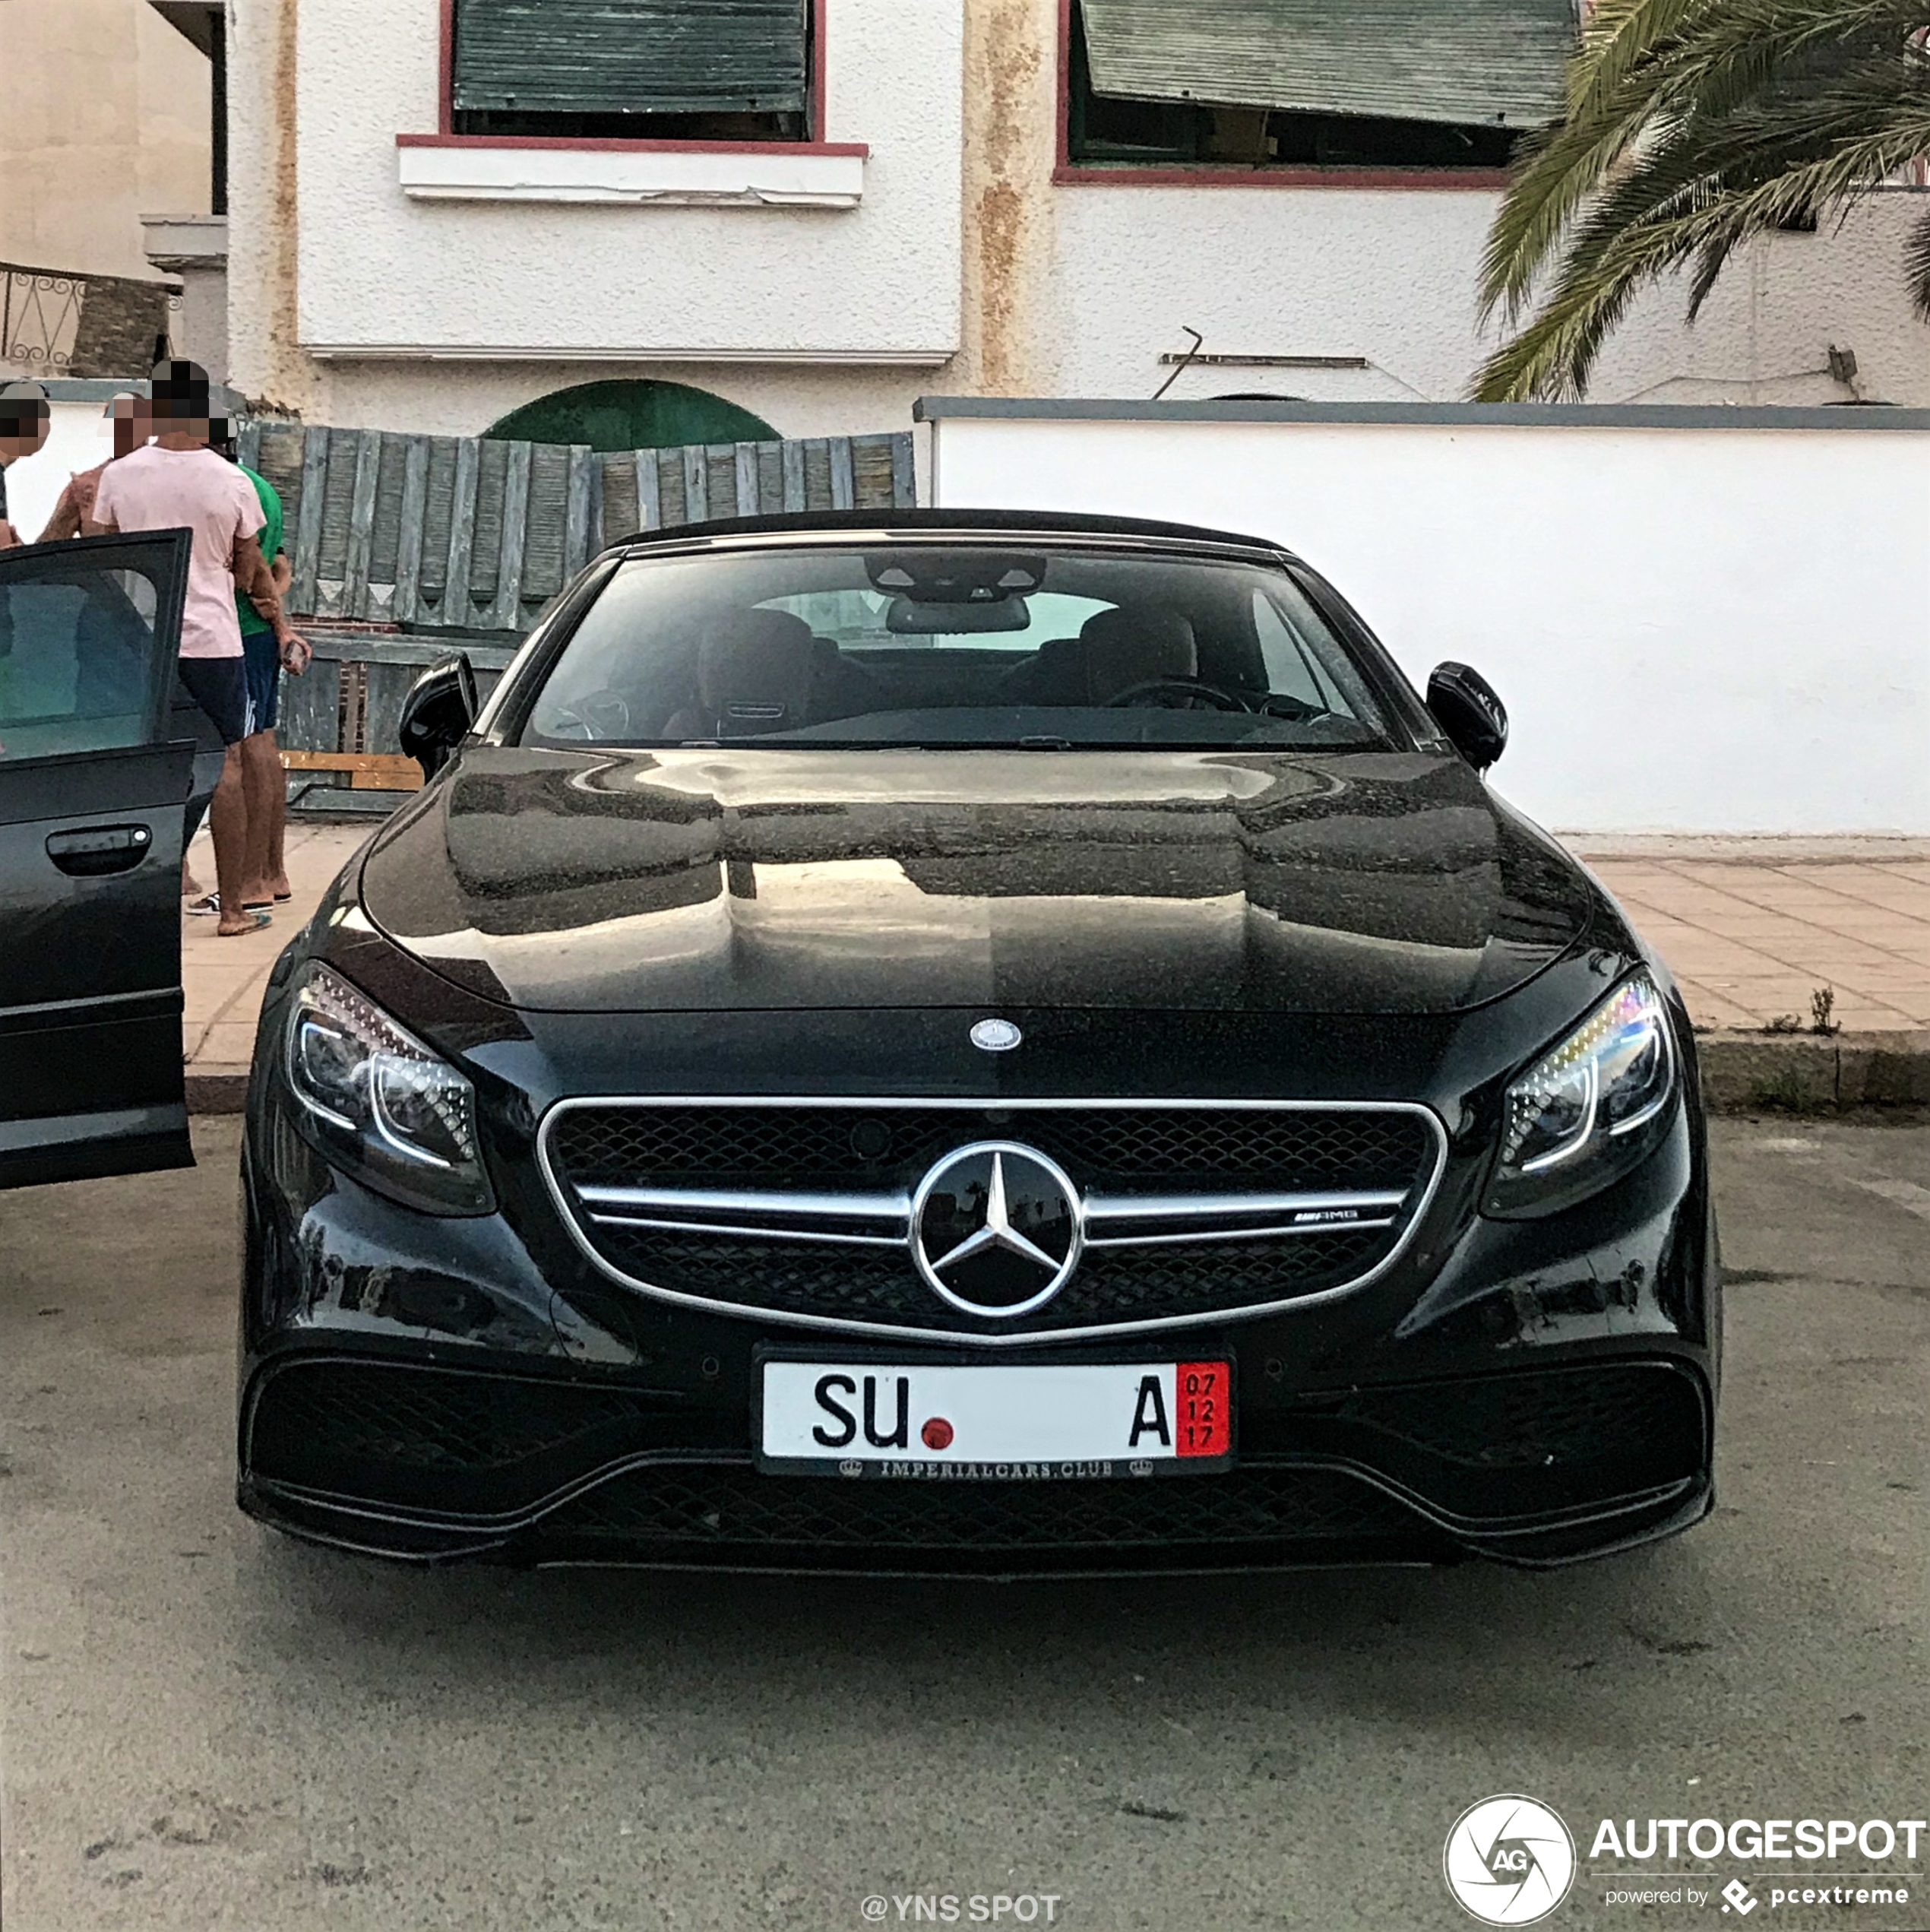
<point x="1694" y="126"/>
<point x="1916" y="266"/>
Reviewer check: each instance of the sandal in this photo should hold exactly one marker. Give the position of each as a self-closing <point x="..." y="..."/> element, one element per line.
<point x="260" y="919"/>
<point x="208" y="906"/>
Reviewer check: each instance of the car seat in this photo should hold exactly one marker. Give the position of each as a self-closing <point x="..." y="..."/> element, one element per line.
<point x="755" y="670"/>
<point x="1123" y="648"/>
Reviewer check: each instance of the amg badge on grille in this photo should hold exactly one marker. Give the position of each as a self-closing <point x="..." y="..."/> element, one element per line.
<point x="996" y="1036"/>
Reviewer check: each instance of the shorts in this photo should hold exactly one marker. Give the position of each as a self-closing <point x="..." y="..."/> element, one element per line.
<point x="220" y="686"/>
<point x="262" y="657"/>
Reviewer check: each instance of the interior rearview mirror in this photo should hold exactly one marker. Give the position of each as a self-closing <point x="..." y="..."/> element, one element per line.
<point x="438" y="711"/>
<point x="1474" y="720"/>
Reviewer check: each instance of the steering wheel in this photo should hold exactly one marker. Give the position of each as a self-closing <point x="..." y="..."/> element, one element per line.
<point x="1194" y="693"/>
<point x="604" y="714"/>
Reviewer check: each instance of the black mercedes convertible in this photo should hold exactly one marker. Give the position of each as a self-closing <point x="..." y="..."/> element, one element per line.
<point x="976" y="1042"/>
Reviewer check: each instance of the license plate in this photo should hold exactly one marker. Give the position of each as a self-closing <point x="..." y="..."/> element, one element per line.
<point x="996" y="1421"/>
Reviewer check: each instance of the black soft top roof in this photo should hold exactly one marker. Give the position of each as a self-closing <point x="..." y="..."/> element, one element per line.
<point x="1056" y="522"/>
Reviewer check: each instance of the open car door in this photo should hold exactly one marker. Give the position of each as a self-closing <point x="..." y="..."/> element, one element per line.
<point x="92" y="786"/>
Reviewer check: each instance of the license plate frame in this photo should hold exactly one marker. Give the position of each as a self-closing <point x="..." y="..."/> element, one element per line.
<point x="858" y="1459"/>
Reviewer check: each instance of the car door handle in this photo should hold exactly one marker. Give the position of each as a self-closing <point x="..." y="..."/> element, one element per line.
<point x="100" y="849"/>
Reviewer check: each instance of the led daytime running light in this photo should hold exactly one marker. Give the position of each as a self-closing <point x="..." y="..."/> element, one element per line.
<point x="1580" y="1093"/>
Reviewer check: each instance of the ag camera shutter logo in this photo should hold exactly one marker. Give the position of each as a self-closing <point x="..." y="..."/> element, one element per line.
<point x="1509" y="1860"/>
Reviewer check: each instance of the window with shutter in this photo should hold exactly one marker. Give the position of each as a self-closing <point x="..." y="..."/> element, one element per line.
<point x="1412" y="84"/>
<point x="716" y="70"/>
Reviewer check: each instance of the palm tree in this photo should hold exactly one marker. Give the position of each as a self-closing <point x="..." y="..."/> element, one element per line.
<point x="1693" y="126"/>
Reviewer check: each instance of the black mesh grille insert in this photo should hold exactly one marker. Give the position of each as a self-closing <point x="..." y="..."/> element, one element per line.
<point x="878" y="1284"/>
<point x="446" y="1438"/>
<point x="1649" y="1419"/>
<point x="720" y="1505"/>
<point x="1120" y="1149"/>
<point x="856" y="1147"/>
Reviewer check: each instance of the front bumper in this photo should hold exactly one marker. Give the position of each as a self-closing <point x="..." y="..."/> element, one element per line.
<point x="1533" y="1391"/>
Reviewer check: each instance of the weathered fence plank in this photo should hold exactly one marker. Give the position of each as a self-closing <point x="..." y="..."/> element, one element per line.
<point x="362" y="527"/>
<point x="469" y="536"/>
<point x="405" y="606"/>
<point x="456" y="599"/>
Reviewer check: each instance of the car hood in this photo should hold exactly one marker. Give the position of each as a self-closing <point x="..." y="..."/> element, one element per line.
<point x="706" y="880"/>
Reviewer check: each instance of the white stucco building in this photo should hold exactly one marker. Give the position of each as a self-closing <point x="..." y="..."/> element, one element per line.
<point x="436" y="220"/>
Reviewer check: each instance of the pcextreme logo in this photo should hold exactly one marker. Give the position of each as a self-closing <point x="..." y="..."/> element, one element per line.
<point x="1509" y="1860"/>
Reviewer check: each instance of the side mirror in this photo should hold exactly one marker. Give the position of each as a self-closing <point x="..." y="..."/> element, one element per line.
<point x="438" y="712"/>
<point x="1473" y="719"/>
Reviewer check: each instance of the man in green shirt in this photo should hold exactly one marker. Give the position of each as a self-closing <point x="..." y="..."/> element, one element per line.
<point x="266" y="654"/>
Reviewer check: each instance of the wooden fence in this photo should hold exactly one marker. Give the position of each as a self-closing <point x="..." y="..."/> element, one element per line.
<point x="459" y="534"/>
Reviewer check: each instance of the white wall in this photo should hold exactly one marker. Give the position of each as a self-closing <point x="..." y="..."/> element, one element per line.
<point x="1695" y="629"/>
<point x="1390" y="275"/>
<point x="379" y="274"/>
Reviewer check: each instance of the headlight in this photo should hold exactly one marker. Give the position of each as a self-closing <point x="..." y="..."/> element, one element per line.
<point x="380" y="1103"/>
<point x="1589" y="1110"/>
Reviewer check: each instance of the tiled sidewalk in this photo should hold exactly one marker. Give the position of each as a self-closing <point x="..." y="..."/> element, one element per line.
<point x="224" y="980"/>
<point x="1751" y="927"/>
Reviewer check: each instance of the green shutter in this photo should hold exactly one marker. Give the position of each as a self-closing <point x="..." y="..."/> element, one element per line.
<point x="1496" y="61"/>
<point x="630" y="56"/>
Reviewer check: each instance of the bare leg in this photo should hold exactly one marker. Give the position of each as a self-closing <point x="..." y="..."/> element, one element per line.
<point x="277" y="792"/>
<point x="227" y="819"/>
<point x="189" y="889"/>
<point x="267" y="808"/>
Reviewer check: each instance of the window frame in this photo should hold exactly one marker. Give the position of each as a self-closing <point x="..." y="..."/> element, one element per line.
<point x="1068" y="173"/>
<point x="813" y="142"/>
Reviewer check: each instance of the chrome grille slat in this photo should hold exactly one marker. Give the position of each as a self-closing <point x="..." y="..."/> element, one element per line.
<point x="662" y="1194"/>
<point x="1202" y="1237"/>
<point x="1170" y="1219"/>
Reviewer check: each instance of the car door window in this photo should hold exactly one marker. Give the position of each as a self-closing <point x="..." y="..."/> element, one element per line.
<point x="80" y="668"/>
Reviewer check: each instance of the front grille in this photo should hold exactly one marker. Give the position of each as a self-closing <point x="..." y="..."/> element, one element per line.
<point x="725" y="1508"/>
<point x="879" y="1285"/>
<point x="804" y="1146"/>
<point x="872" y="1156"/>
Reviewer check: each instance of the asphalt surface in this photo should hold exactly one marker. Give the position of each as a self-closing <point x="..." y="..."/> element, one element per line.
<point x="203" y="1725"/>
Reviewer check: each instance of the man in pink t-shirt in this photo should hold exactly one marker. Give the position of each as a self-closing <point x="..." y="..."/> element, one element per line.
<point x="179" y="483"/>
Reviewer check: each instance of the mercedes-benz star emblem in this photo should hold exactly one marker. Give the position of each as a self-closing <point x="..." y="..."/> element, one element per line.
<point x="996" y="1036"/>
<point x="995" y="1229"/>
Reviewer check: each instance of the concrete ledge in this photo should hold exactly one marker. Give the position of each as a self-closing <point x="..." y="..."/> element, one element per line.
<point x="1742" y="1072"/>
<point x="216" y="1089"/>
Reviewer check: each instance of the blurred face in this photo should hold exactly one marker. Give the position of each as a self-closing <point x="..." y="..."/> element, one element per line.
<point x="132" y="425"/>
<point x="22" y="435"/>
<point x="182" y="420"/>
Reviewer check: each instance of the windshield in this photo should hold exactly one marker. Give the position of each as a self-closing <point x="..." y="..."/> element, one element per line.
<point x="935" y="644"/>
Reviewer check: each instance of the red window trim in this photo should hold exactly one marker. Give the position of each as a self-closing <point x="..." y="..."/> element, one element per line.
<point x="445" y="135"/>
<point x="857" y="147"/>
<point x="1067" y="172"/>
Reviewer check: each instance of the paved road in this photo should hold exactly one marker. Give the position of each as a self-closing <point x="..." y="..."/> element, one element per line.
<point x="204" y="1726"/>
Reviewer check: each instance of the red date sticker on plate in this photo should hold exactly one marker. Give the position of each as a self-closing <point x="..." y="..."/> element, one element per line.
<point x="1202" y="1415"/>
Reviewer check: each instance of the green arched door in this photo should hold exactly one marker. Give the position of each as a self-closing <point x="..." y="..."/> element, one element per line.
<point x="632" y="415"/>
